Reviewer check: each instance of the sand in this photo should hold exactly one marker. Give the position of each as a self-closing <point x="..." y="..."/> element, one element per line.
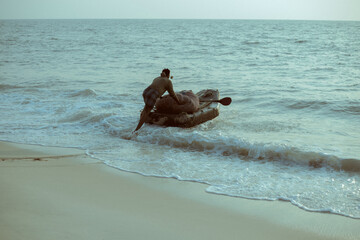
<point x="57" y="193"/>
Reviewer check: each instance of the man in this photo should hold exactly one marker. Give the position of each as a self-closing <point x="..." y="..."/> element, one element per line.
<point x="158" y="87"/>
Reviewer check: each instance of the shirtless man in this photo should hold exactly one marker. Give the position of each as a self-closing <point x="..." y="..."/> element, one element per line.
<point x="158" y="87"/>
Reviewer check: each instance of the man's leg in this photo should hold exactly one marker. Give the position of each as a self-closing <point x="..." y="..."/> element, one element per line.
<point x="144" y="114"/>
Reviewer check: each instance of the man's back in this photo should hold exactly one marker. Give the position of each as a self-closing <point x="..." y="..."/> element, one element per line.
<point x="162" y="84"/>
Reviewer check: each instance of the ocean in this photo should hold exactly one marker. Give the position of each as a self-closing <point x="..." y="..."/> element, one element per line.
<point x="291" y="133"/>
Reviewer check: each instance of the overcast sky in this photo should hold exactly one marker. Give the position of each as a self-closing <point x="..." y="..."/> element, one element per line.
<point x="182" y="9"/>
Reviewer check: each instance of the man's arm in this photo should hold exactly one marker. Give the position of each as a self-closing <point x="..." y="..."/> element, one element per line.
<point x="172" y="93"/>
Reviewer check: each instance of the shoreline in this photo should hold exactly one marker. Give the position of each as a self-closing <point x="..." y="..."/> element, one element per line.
<point x="62" y="193"/>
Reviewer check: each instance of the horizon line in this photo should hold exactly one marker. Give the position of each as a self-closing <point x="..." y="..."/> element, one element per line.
<point x="240" y="19"/>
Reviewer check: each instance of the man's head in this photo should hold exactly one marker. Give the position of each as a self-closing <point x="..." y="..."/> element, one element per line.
<point x="166" y="72"/>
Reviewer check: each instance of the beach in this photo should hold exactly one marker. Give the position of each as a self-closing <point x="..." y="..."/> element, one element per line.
<point x="61" y="193"/>
<point x="290" y="133"/>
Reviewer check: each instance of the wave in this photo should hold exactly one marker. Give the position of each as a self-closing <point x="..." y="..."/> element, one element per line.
<point x="251" y="42"/>
<point x="4" y="87"/>
<point x="84" y="93"/>
<point x="313" y="104"/>
<point x="85" y="116"/>
<point x="76" y="117"/>
<point x="349" y="107"/>
<point x="321" y="69"/>
<point x="352" y="108"/>
<point x="232" y="147"/>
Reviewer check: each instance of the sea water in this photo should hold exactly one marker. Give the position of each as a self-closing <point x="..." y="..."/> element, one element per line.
<point x="291" y="133"/>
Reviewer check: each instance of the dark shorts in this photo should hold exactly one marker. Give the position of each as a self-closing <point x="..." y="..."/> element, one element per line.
<point x="150" y="96"/>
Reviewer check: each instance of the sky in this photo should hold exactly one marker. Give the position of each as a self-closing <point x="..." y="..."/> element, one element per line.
<point x="181" y="9"/>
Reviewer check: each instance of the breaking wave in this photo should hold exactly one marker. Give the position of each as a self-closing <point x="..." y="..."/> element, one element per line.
<point x="232" y="147"/>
